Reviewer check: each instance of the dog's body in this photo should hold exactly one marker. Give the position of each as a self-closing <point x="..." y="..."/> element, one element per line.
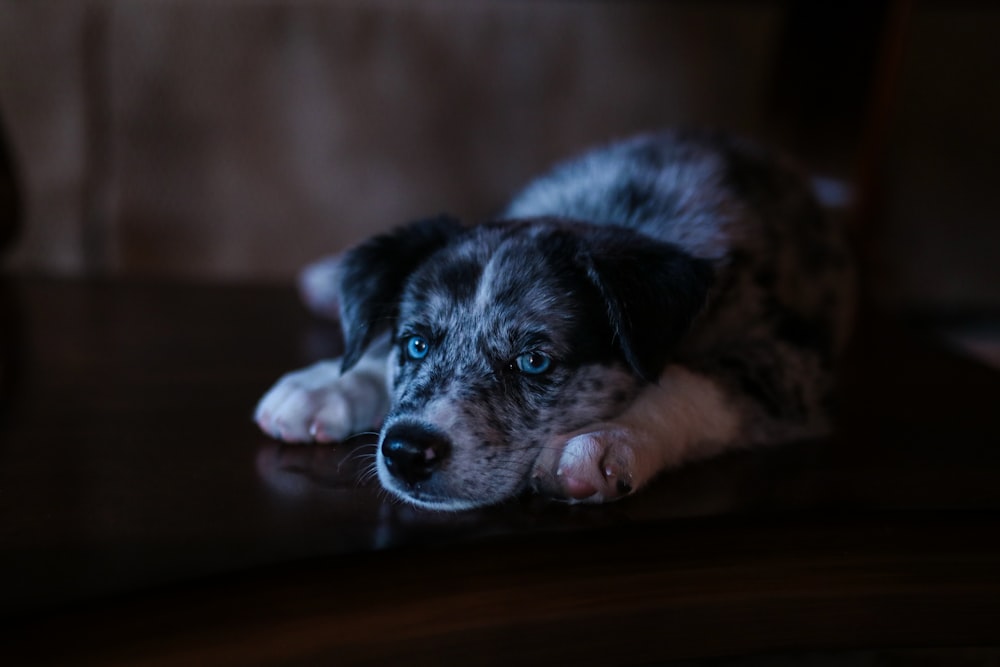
<point x="655" y="301"/>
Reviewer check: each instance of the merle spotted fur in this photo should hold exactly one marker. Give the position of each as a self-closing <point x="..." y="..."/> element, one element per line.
<point x="655" y="301"/>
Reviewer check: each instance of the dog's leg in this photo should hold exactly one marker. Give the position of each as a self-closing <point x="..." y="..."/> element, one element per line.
<point x="761" y="394"/>
<point x="320" y="404"/>
<point x="685" y="415"/>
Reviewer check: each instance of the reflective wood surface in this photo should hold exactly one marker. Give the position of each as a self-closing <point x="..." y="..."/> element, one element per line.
<point x="144" y="519"/>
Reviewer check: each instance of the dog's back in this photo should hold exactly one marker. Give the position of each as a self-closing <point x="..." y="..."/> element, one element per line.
<point x="783" y="276"/>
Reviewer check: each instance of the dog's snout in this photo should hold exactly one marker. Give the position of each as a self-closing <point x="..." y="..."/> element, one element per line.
<point x="413" y="452"/>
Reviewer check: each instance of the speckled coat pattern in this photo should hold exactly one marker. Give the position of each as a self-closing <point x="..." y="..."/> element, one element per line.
<point x="655" y="301"/>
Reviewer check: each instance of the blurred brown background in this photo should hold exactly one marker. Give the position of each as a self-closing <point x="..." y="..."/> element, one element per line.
<point x="238" y="140"/>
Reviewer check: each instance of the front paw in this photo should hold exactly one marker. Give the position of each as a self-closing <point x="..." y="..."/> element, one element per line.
<point x="306" y="406"/>
<point x="593" y="467"/>
<point x="318" y="404"/>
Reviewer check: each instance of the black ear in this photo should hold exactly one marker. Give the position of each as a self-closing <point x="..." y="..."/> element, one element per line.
<point x="653" y="291"/>
<point x="373" y="275"/>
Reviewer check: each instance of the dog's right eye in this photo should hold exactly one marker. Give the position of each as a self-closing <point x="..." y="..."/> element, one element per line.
<point x="416" y="347"/>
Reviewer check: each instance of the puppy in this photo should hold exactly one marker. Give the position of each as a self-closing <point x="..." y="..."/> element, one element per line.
<point x="651" y="302"/>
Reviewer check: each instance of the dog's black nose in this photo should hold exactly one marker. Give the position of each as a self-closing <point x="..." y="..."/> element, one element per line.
<point x="413" y="452"/>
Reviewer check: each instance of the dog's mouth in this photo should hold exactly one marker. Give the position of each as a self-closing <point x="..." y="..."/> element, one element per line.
<point x="442" y="492"/>
<point x="427" y="494"/>
<point x="435" y="502"/>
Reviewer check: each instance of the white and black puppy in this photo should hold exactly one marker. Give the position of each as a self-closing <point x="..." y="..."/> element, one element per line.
<point x="655" y="301"/>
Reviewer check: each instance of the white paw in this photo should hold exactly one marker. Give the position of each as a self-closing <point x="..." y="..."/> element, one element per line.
<point x="601" y="463"/>
<point x="318" y="404"/>
<point x="596" y="467"/>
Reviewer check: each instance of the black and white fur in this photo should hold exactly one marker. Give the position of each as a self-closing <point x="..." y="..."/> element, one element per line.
<point x="682" y="294"/>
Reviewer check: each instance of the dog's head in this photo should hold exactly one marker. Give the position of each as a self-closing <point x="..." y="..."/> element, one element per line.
<point x="507" y="335"/>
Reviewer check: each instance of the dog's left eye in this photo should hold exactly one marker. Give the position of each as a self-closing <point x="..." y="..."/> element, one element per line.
<point x="533" y="363"/>
<point x="416" y="347"/>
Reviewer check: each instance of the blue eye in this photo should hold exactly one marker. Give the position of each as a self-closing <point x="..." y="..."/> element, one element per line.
<point x="417" y="347"/>
<point x="533" y="363"/>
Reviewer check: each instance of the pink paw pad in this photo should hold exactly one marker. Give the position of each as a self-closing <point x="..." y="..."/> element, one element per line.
<point x="592" y="467"/>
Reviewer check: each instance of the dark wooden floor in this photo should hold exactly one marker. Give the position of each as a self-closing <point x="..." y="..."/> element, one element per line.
<point x="144" y="520"/>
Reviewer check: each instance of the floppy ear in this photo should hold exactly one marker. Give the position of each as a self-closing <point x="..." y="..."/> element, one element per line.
<point x="653" y="291"/>
<point x="373" y="275"/>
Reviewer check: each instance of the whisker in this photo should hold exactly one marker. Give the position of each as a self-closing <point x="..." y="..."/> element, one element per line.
<point x="367" y="475"/>
<point x="361" y="454"/>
